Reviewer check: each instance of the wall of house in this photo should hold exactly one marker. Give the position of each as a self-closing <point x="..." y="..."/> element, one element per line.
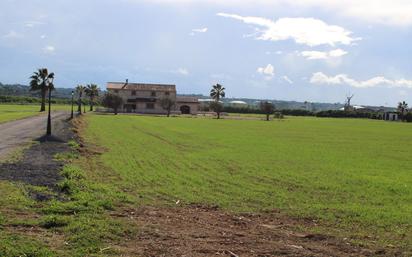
<point x="194" y="107"/>
<point x="142" y="105"/>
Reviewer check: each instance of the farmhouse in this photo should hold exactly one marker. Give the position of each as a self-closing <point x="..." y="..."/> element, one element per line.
<point x="145" y="98"/>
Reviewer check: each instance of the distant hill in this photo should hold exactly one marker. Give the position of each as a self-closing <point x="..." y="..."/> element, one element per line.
<point x="23" y="90"/>
<point x="281" y="104"/>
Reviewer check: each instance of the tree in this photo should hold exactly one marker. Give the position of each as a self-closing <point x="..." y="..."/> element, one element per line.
<point x="112" y="101"/>
<point x="217" y="92"/>
<point x="92" y="91"/>
<point x="41" y="80"/>
<point x="216" y="107"/>
<point x="167" y="104"/>
<point x="402" y="109"/>
<point x="80" y="89"/>
<point x="267" y="108"/>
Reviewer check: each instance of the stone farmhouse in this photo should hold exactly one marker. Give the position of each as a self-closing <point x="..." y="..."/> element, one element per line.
<point x="145" y="98"/>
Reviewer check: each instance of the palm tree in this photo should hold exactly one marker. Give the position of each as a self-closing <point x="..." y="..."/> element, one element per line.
<point x="217" y="92"/>
<point x="402" y="109"/>
<point x="42" y="80"/>
<point x="92" y="91"/>
<point x="80" y="90"/>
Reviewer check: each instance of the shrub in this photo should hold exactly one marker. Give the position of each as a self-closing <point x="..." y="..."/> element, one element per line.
<point x="408" y="117"/>
<point x="278" y="115"/>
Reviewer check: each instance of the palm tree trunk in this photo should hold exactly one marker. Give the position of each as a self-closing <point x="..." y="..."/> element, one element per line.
<point x="91" y="104"/>
<point x="267" y="117"/>
<point x="218" y="115"/>
<point x="79" y="106"/>
<point x="43" y="100"/>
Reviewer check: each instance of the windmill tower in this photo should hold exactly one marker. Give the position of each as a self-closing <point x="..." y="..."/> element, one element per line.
<point x="348" y="107"/>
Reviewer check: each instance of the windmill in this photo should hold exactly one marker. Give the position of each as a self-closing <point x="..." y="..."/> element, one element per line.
<point x="127" y="83"/>
<point x="348" y="107"/>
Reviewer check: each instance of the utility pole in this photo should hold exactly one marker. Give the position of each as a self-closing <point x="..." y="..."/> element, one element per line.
<point x="71" y="116"/>
<point x="48" y="133"/>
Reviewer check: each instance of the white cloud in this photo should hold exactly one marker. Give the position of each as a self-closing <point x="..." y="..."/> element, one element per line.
<point x="337" y="53"/>
<point x="202" y="30"/>
<point x="317" y="55"/>
<point x="268" y="71"/>
<point x="307" y="31"/>
<point x="13" y="35"/>
<point x="182" y="71"/>
<point x="195" y="31"/>
<point x="343" y="79"/>
<point x="287" y="79"/>
<point x="49" y="49"/>
<point x="43" y="36"/>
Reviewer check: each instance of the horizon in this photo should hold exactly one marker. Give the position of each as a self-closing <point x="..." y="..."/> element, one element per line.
<point x="316" y="51"/>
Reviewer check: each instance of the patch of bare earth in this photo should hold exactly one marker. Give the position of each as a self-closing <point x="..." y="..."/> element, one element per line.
<point x="194" y="231"/>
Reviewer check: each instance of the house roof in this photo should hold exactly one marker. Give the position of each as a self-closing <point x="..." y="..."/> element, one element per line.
<point x="140" y="86"/>
<point x="238" y="102"/>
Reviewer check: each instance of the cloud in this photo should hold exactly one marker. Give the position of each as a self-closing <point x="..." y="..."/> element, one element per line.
<point x="13" y="35"/>
<point x="182" y="71"/>
<point x="202" y="30"/>
<point x="318" y="55"/>
<point x="268" y="71"/>
<point x="49" y="49"/>
<point x="196" y="31"/>
<point x="306" y="31"/>
<point x="287" y="79"/>
<point x="343" y="79"/>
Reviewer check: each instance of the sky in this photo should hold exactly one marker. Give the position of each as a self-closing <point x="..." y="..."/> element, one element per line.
<point x="304" y="50"/>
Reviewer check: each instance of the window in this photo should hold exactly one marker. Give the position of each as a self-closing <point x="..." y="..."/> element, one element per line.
<point x="150" y="106"/>
<point x="167" y="93"/>
<point x="133" y="92"/>
<point x="153" y="93"/>
<point x="116" y="91"/>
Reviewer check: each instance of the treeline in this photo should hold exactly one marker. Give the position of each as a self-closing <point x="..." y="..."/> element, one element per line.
<point x="24" y="91"/>
<point x="256" y="110"/>
<point x="321" y="114"/>
<point x="30" y="100"/>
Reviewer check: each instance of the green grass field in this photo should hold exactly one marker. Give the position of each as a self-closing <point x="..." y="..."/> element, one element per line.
<point x="15" y="112"/>
<point x="352" y="173"/>
<point x="10" y="112"/>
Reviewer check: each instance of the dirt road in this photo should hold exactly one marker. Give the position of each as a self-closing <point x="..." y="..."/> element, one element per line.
<point x="18" y="133"/>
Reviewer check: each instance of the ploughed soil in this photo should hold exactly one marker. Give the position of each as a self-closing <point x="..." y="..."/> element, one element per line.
<point x="37" y="166"/>
<point x="195" y="231"/>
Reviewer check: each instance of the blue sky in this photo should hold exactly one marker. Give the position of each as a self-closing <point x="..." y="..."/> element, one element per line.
<point x="312" y="50"/>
